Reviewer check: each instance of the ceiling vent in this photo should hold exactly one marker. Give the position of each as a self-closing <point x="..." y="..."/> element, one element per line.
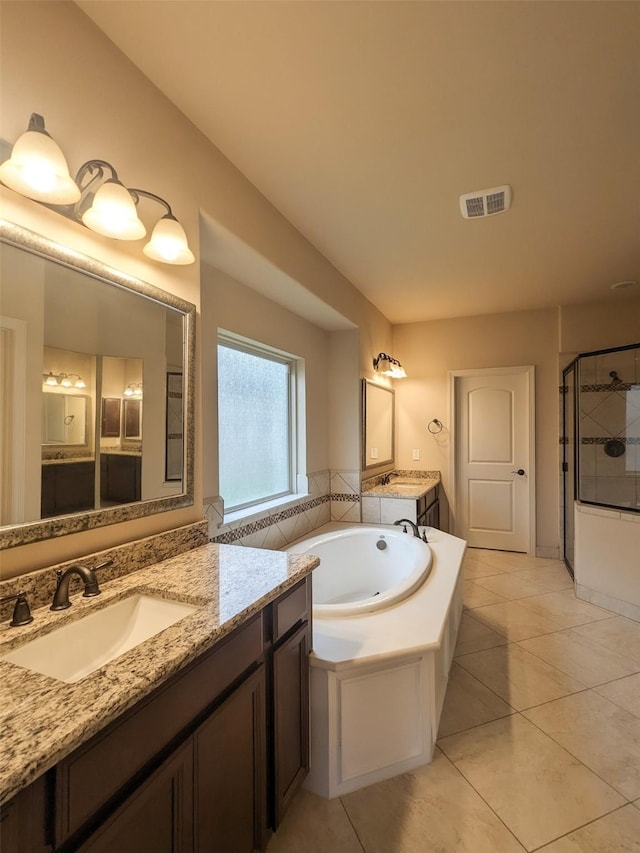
<point x="483" y="203"/>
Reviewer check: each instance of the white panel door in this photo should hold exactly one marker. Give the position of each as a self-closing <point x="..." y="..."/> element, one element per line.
<point x="493" y="455"/>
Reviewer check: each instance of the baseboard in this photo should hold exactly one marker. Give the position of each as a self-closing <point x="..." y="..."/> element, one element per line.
<point x="548" y="553"/>
<point x="600" y="599"/>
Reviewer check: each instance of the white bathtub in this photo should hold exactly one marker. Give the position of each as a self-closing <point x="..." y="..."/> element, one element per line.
<point x="364" y="568"/>
<point x="378" y="676"/>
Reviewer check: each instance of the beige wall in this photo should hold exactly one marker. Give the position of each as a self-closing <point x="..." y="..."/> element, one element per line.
<point x="54" y="61"/>
<point x="429" y="350"/>
<point x="227" y="304"/>
<point x="600" y="325"/>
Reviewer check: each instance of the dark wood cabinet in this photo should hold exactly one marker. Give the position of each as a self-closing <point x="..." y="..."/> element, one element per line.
<point x="120" y="478"/>
<point x="24" y="820"/>
<point x="230" y="773"/>
<point x="290" y="719"/>
<point x="208" y="762"/>
<point x="67" y="487"/>
<point x="157" y="818"/>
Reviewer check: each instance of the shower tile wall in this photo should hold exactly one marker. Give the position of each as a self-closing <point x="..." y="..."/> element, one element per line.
<point x="609" y="408"/>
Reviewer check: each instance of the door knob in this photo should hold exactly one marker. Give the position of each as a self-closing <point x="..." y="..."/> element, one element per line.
<point x="520" y="472"/>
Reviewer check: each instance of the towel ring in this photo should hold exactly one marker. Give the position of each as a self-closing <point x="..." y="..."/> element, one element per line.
<point x="435" y="426"/>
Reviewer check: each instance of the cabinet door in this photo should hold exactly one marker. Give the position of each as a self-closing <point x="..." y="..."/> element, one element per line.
<point x="230" y="773"/>
<point x="157" y="818"/>
<point x="290" y="718"/>
<point x="23" y="821"/>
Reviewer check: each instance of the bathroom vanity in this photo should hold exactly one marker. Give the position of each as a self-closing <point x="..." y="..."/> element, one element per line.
<point x="194" y="740"/>
<point x="404" y="496"/>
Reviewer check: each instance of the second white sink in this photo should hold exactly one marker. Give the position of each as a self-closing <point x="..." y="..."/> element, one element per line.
<point x="76" y="650"/>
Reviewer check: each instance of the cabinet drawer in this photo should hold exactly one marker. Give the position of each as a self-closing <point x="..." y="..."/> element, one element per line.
<point x="90" y="777"/>
<point x="290" y="608"/>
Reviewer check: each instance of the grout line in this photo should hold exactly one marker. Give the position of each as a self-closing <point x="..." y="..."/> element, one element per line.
<point x="488" y="805"/>
<point x="351" y="823"/>
<point x="582" y="826"/>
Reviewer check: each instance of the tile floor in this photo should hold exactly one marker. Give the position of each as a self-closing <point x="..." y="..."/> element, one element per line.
<point x="539" y="741"/>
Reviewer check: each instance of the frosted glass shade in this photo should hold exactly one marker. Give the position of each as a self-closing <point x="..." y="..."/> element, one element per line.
<point x="169" y="243"/>
<point x="113" y="213"/>
<point x="37" y="169"/>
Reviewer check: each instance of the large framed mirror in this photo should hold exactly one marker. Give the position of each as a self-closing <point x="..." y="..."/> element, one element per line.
<point x="377" y="424"/>
<point x="85" y="356"/>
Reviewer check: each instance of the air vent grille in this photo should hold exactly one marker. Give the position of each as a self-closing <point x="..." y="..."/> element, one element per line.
<point x="481" y="203"/>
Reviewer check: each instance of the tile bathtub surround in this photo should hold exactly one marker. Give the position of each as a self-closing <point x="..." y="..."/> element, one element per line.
<point x="40" y="585"/>
<point x="539" y="738"/>
<point x="42" y="720"/>
<point x="334" y="496"/>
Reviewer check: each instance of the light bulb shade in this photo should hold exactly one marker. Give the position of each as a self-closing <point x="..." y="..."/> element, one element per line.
<point x="387" y="365"/>
<point x="80" y="383"/>
<point x="66" y="381"/>
<point x="51" y="379"/>
<point x="37" y="169"/>
<point x="113" y="213"/>
<point x="168" y="243"/>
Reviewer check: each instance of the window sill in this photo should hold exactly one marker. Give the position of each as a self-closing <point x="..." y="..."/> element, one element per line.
<point x="253" y="513"/>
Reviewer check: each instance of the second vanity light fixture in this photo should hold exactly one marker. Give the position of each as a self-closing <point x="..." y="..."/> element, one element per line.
<point x="133" y="389"/>
<point x="38" y="170"/>
<point x="66" y="380"/>
<point x="387" y="365"/>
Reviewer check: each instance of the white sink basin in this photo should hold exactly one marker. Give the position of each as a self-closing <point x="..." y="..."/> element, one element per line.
<point x="76" y="650"/>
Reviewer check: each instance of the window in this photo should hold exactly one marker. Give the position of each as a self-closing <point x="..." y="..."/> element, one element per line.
<point x="256" y="451"/>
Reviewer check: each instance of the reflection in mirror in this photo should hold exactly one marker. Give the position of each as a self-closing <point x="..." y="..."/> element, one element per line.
<point x="86" y="357"/>
<point x="377" y="424"/>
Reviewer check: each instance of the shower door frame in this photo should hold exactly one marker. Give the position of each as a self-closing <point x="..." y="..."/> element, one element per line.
<point x="569" y="465"/>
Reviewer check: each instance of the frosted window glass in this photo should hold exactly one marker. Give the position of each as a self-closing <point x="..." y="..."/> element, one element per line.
<point x="254" y="427"/>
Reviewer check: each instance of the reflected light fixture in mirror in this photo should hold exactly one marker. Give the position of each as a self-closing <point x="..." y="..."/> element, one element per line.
<point x="387" y="365"/>
<point x="133" y="389"/>
<point x="67" y="380"/>
<point x="97" y="198"/>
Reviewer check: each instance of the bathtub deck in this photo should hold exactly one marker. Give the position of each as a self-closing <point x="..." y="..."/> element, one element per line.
<point x="378" y="680"/>
<point x="414" y="625"/>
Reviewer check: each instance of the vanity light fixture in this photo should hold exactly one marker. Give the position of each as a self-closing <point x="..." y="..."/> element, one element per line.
<point x="387" y="365"/>
<point x="66" y="380"/>
<point x="133" y="389"/>
<point x="97" y="198"/>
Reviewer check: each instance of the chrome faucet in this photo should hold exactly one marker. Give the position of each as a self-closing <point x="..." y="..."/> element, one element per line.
<point x="414" y="526"/>
<point x="91" y="588"/>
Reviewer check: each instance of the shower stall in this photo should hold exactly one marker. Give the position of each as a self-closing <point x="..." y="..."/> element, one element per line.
<point x="600" y="435"/>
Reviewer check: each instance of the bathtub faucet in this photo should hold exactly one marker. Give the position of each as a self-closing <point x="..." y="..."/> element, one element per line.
<point x="406" y="521"/>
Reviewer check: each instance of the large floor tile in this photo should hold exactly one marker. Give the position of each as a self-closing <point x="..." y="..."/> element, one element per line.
<point x="624" y="692"/>
<point x="474" y="569"/>
<point x="534" y="785"/>
<point x="602" y="735"/>
<point x="617" y="633"/>
<point x="431" y="810"/>
<point x="473" y="636"/>
<point x="618" y="832"/>
<point x="476" y="596"/>
<point x="520" y="678"/>
<point x="510" y="561"/>
<point x="564" y="608"/>
<point x="315" y="825"/>
<point x="552" y="577"/>
<point x="514" y="621"/>
<point x="468" y="703"/>
<point x="510" y="586"/>
<point x="589" y="662"/>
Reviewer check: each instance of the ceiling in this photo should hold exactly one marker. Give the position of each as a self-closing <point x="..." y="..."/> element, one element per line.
<point x="363" y="122"/>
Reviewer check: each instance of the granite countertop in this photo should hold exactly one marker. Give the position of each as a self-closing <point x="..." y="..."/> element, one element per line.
<point x="412" y="488"/>
<point x="43" y="720"/>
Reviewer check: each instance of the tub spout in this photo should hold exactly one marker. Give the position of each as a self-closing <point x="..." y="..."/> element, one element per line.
<point x="406" y="521"/>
